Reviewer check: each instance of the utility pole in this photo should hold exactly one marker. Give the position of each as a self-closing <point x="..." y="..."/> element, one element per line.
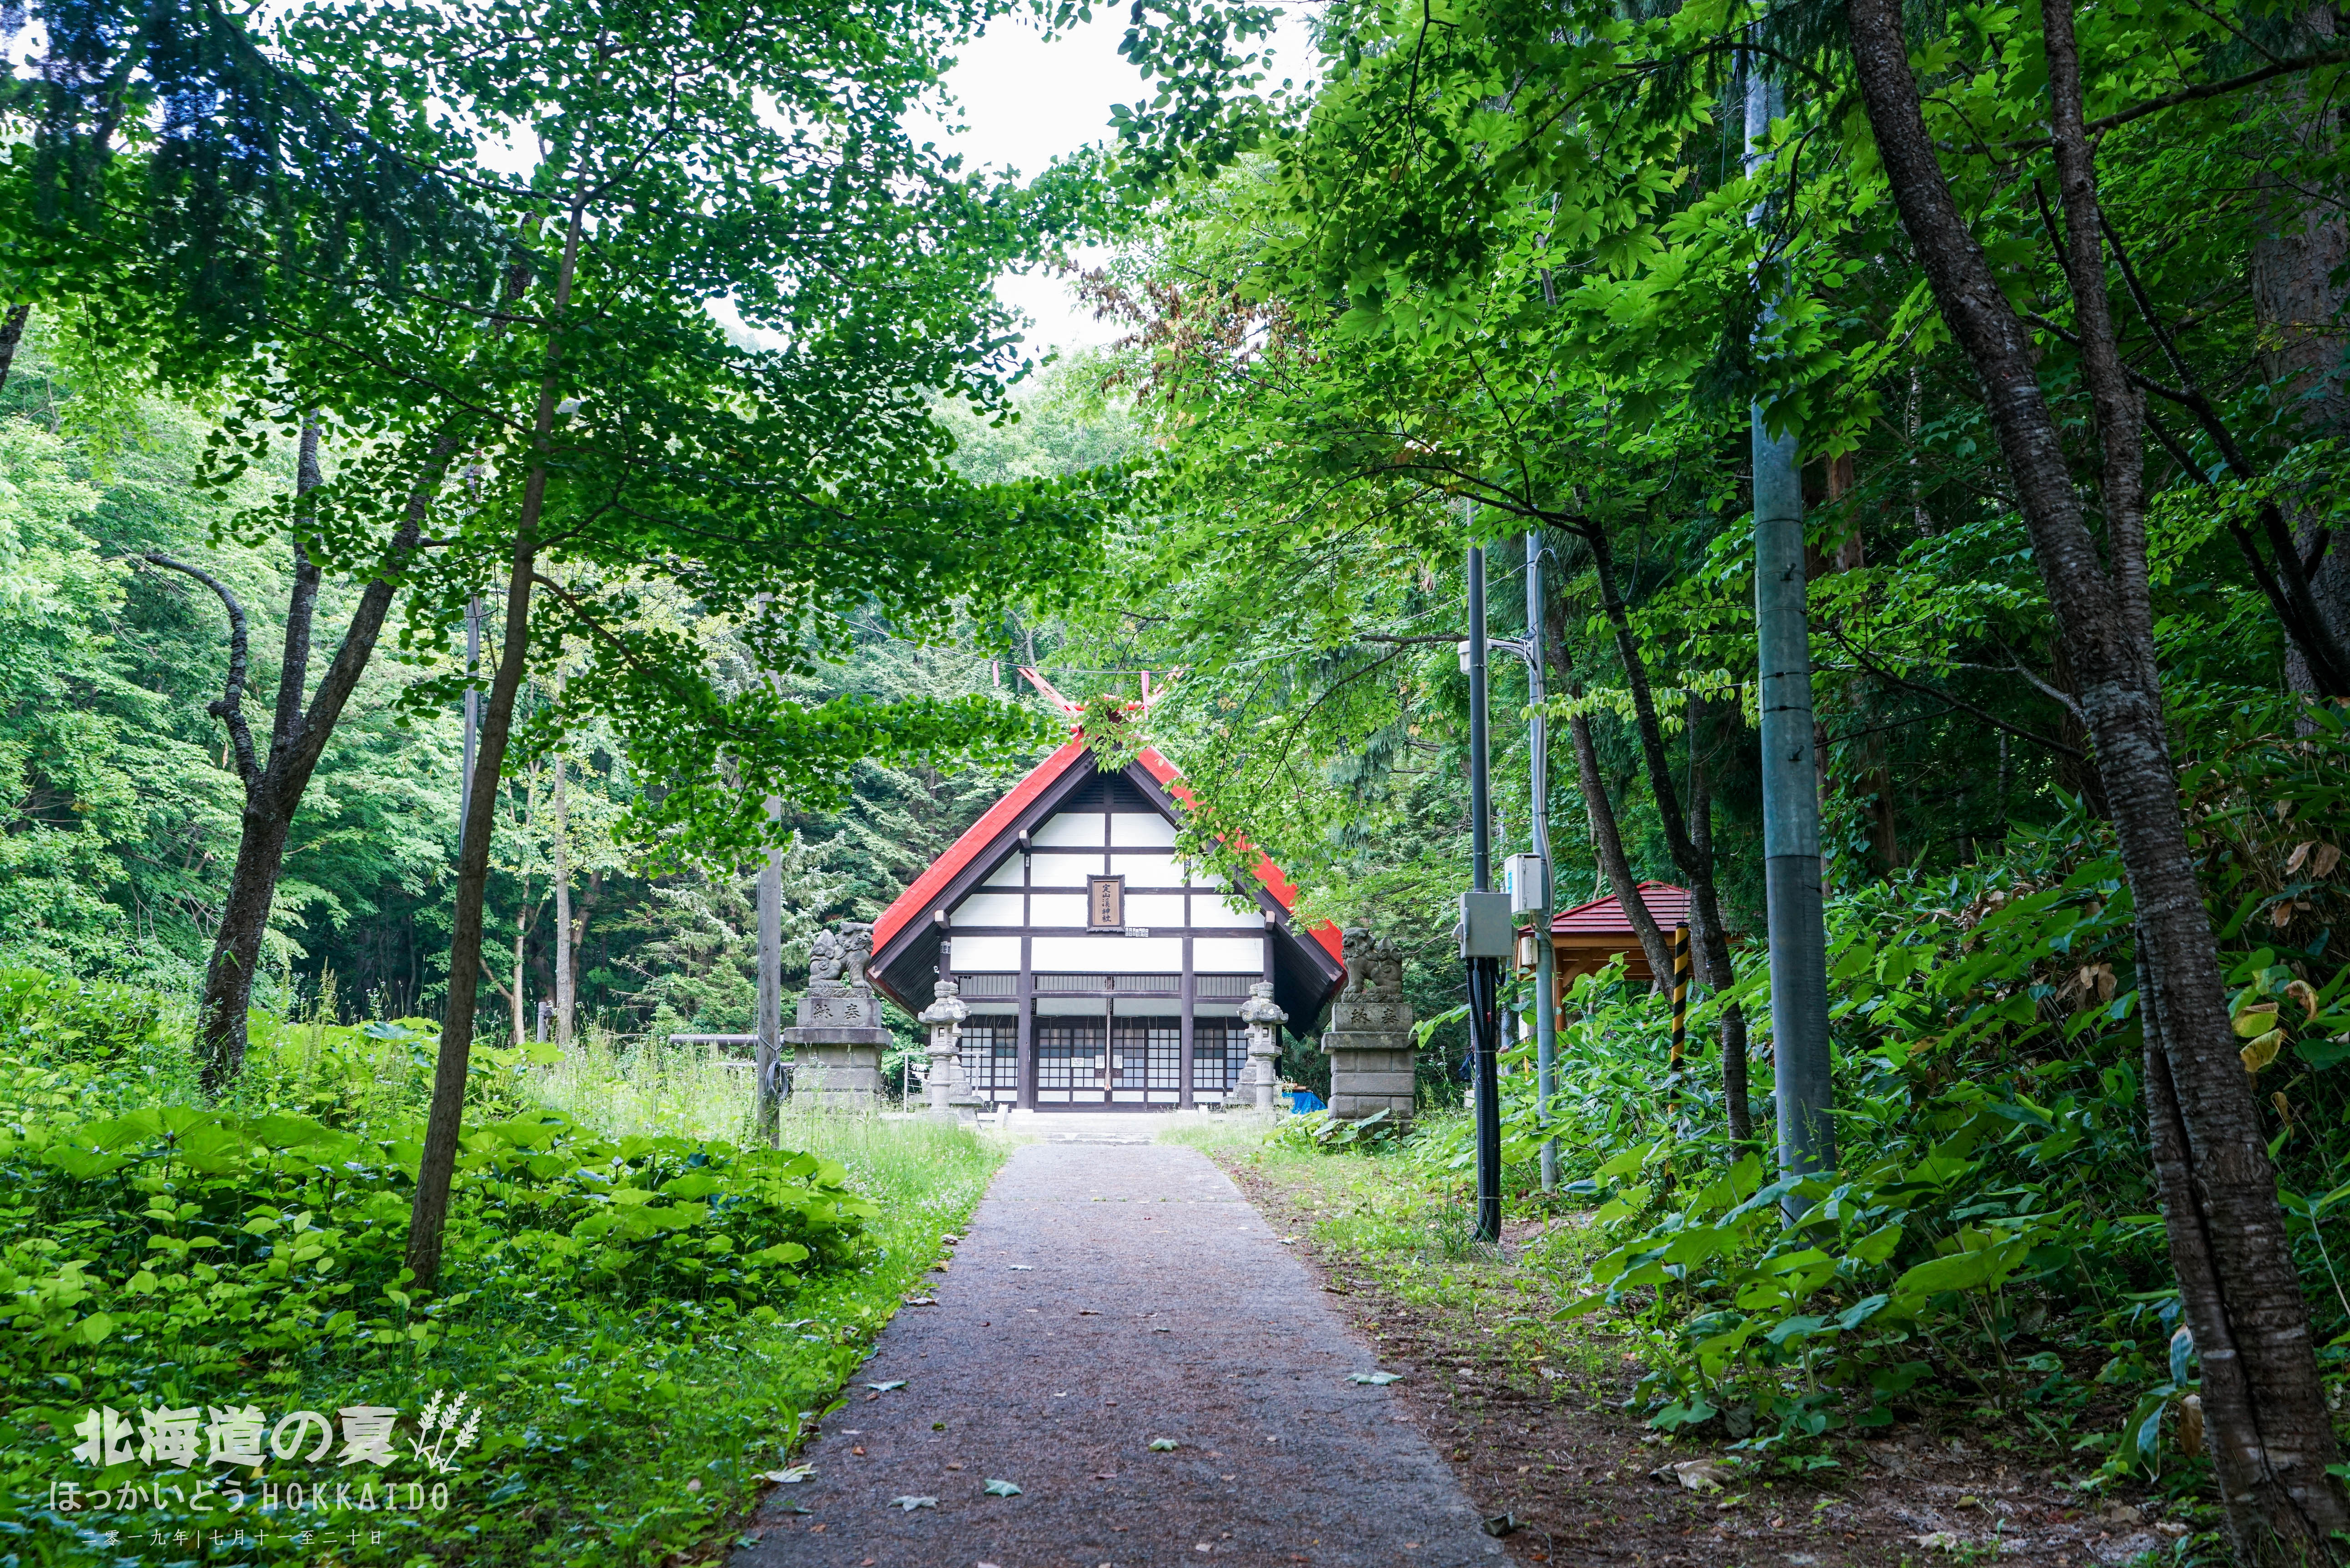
<point x="1538" y="768"/>
<point x="1791" y="801"/>
<point x="1486" y="932"/>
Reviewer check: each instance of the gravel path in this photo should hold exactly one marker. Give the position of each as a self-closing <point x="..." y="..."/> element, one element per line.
<point x="1108" y="1295"/>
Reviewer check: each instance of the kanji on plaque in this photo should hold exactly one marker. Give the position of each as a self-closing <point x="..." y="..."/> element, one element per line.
<point x="1104" y="902"/>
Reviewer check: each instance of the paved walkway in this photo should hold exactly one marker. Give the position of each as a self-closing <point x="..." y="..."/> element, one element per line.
<point x="1108" y="1295"/>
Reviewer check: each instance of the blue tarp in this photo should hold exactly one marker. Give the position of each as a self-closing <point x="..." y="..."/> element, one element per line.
<point x="1305" y="1100"/>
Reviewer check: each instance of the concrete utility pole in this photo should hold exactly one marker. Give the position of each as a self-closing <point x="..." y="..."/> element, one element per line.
<point x="1538" y="768"/>
<point x="1791" y="800"/>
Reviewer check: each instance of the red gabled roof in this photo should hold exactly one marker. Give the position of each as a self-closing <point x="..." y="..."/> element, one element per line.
<point x="983" y="835"/>
<point x="1666" y="904"/>
<point x="975" y="842"/>
<point x="1276" y="881"/>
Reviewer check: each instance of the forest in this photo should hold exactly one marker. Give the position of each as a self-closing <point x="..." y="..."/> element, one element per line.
<point x="478" y="481"/>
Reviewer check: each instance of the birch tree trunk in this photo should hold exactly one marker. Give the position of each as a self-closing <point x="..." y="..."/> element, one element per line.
<point x="2271" y="1436"/>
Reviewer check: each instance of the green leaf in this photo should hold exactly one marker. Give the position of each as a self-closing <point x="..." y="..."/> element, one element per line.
<point x="1959" y="1272"/>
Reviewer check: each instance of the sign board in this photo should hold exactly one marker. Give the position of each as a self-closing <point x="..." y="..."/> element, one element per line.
<point x="1105" y="903"/>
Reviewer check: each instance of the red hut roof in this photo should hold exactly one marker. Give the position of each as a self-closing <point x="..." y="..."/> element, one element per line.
<point x="1666" y="904"/>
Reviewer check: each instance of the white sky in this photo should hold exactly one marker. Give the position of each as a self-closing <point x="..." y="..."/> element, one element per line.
<point x="1025" y="102"/>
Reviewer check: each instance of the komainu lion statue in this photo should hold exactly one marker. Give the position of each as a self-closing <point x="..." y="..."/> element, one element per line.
<point x="1374" y="966"/>
<point x="841" y="954"/>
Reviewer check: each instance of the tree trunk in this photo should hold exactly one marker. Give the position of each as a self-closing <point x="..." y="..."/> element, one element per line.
<point x="273" y="793"/>
<point x="428" y="1216"/>
<point x="1711" y="945"/>
<point x="1606" y="832"/>
<point x="1696" y="862"/>
<point x="567" y="981"/>
<point x="11" y="332"/>
<point x="2271" y="1436"/>
<point x="223" y="1016"/>
<point x="2298" y="306"/>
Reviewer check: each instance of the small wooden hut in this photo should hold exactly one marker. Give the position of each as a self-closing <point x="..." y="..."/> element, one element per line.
<point x="1587" y="937"/>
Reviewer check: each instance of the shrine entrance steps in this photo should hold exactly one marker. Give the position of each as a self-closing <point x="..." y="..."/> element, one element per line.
<point x="1107" y="1298"/>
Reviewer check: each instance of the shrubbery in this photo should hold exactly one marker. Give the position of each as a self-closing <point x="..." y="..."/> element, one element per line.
<point x="647" y="1320"/>
<point x="1992" y="1236"/>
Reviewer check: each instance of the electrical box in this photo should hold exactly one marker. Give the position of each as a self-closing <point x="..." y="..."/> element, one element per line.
<point x="1527" y="880"/>
<point x="1485" y="929"/>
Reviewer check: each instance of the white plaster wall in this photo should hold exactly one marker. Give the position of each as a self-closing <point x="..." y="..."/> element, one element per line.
<point x="1071" y="827"/>
<point x="1004" y="876"/>
<point x="1209" y="909"/>
<point x="1131" y="827"/>
<point x="1213" y="955"/>
<point x="1061" y="870"/>
<point x="1056" y="909"/>
<point x="975" y="954"/>
<point x="1154" y="909"/>
<point x="1119" y="955"/>
<point x="1148" y="870"/>
<point x="989" y="909"/>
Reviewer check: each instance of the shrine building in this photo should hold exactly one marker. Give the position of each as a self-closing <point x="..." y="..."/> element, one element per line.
<point x="1099" y="971"/>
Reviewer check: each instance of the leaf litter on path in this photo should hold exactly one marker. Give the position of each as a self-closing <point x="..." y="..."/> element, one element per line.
<point x="1002" y="1489"/>
<point x="911" y="1503"/>
<point x="1694" y="1475"/>
<point x="1376" y="1379"/>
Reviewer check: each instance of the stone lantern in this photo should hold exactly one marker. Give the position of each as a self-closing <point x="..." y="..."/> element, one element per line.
<point x="1264" y="1019"/>
<point x="944" y="1018"/>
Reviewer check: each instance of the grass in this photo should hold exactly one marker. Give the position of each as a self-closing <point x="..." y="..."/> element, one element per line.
<point x="619" y="1428"/>
<point x="1386" y="1210"/>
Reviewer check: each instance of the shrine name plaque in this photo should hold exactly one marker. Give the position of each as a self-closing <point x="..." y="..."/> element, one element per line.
<point x="1105" y="903"/>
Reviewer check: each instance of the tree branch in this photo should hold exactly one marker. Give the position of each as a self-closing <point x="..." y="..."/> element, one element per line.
<point x="229" y="706"/>
<point x="1961" y="703"/>
<point x="2196" y="94"/>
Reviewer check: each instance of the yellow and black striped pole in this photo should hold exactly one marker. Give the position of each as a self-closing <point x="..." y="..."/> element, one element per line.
<point x="1680" y="993"/>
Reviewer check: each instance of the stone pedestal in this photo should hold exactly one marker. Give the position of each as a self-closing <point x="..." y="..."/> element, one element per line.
<point x="944" y="1016"/>
<point x="1372" y="1059"/>
<point x="837" y="1047"/>
<point x="1261" y="1079"/>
